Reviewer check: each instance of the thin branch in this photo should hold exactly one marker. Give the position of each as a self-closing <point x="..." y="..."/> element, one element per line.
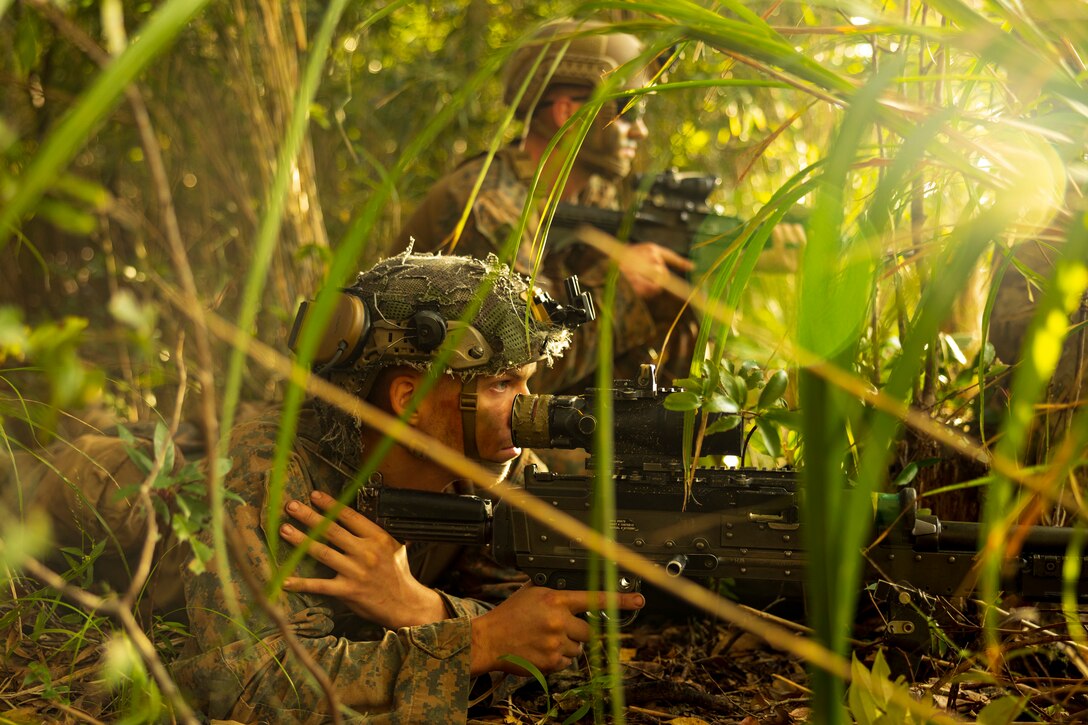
<point x="147" y="553"/>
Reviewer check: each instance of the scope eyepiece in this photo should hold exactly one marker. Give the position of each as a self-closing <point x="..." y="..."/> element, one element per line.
<point x="552" y="421"/>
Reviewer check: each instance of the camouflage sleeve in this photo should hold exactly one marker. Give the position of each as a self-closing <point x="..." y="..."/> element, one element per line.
<point x="434" y="221"/>
<point x="243" y="670"/>
<point x="430" y="227"/>
<point x="493" y="217"/>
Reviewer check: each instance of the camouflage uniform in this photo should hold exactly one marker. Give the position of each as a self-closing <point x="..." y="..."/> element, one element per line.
<point x="637" y="326"/>
<point x="85" y="488"/>
<point x="244" y="670"/>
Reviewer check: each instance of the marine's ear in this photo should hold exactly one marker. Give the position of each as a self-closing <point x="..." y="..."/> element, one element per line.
<point x="403" y="383"/>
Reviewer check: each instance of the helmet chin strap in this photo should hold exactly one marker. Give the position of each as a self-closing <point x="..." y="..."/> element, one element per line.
<point x="468" y="417"/>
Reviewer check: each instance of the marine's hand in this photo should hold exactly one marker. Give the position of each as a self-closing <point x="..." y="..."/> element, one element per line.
<point x="646" y="264"/>
<point x="372" y="574"/>
<point x="539" y="624"/>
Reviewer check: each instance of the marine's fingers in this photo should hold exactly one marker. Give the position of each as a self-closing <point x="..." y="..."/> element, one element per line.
<point x="578" y="630"/>
<point x="325" y="554"/>
<point x="564" y="663"/>
<point x="351" y="519"/>
<point x="306" y="585"/>
<point x="572" y="649"/>
<point x="334" y="533"/>
<point x="676" y="261"/>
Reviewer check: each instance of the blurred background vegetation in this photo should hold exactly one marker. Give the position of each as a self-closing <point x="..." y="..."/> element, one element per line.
<point x="925" y="128"/>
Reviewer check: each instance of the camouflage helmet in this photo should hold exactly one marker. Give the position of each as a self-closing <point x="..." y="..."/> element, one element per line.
<point x="401" y="311"/>
<point x="582" y="53"/>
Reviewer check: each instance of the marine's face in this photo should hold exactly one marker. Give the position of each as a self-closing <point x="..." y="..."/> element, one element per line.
<point x="495" y="401"/>
<point x="610" y="146"/>
<point x="440" y="415"/>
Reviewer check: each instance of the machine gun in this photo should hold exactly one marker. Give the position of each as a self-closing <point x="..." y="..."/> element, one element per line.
<point x="738" y="523"/>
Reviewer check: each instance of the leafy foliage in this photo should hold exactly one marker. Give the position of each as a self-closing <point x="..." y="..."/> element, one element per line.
<point x="932" y="142"/>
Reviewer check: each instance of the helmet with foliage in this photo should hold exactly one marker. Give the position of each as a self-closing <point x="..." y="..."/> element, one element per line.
<point x="478" y="317"/>
<point x="570" y="52"/>
<point x="403" y="310"/>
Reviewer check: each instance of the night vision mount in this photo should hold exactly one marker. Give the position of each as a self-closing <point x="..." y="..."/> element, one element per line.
<point x="578" y="310"/>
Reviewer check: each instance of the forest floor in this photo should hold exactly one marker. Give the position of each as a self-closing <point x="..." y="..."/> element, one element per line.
<point x="677" y="670"/>
<point x="696" y="671"/>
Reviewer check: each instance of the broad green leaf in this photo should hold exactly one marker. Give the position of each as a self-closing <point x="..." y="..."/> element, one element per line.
<point x="126" y="309"/>
<point x="67" y="218"/>
<point x="13" y="333"/>
<point x="223" y="465"/>
<point x="860" y="700"/>
<point x="774" y="389"/>
<point x="21" y="539"/>
<point x="28" y="46"/>
<point x="164" y="449"/>
<point x="736" y="389"/>
<point x="528" y="667"/>
<point x="682" y="401"/>
<point x="123" y="492"/>
<point x="578" y="714"/>
<point x="693" y="385"/>
<point x="121" y="662"/>
<point x="719" y="403"/>
<point x="725" y="423"/>
<point x="55" y="335"/>
<point x="906" y="475"/>
<point x="751" y="373"/>
<point x="768" y="433"/>
<point x="202" y="552"/>
<point x="85" y="190"/>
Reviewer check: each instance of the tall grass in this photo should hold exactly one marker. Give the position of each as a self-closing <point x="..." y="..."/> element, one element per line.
<point x="935" y="152"/>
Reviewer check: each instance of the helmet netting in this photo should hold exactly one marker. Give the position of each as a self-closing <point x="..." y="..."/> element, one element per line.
<point x="398" y="287"/>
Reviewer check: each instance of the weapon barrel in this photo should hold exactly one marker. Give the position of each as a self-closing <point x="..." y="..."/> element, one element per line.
<point x="964" y="536"/>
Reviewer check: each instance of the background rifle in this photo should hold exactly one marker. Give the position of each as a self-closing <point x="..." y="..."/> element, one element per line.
<point x="674" y="213"/>
<point x="738" y="523"/>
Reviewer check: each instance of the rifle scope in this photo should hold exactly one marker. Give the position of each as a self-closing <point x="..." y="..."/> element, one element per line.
<point x="642" y="426"/>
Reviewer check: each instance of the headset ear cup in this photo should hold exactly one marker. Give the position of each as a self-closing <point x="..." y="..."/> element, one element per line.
<point x="350" y="327"/>
<point x="345" y="336"/>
